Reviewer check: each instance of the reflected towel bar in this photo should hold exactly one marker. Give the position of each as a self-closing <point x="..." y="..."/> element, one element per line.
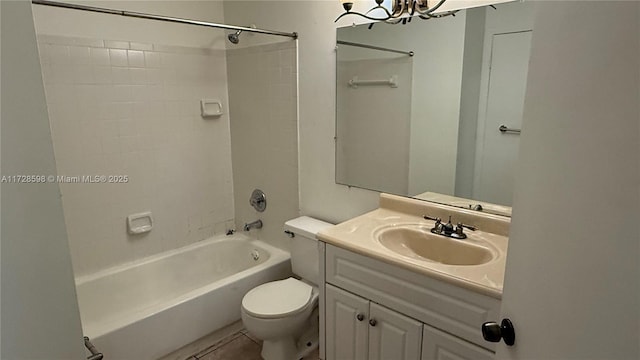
<point x="392" y="82"/>
<point x="504" y="129"/>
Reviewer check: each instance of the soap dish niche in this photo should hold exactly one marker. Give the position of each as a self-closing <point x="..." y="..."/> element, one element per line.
<point x="211" y="108"/>
<point x="139" y="223"/>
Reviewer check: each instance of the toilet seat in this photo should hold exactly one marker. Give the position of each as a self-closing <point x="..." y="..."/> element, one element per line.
<point x="277" y="299"/>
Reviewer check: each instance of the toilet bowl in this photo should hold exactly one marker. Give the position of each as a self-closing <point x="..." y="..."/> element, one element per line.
<point x="278" y="312"/>
<point x="284" y="313"/>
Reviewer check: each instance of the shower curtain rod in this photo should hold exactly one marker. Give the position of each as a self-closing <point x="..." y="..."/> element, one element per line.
<point x="160" y="18"/>
<point x="340" y="42"/>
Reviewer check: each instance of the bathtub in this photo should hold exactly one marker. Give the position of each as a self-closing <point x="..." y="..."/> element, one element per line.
<point x="149" y="308"/>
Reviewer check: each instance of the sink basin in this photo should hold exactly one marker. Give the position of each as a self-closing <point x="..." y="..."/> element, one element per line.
<point x="419" y="243"/>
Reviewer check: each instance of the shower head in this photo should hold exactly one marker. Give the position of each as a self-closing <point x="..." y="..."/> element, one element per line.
<point x="235" y="37"/>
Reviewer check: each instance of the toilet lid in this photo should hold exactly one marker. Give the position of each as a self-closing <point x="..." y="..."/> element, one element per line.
<point x="277" y="298"/>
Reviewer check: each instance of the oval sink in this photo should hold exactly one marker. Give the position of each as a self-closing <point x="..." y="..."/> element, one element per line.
<point x="419" y="242"/>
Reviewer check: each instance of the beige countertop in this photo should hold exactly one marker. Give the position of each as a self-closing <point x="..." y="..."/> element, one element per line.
<point x="358" y="235"/>
<point x="464" y="203"/>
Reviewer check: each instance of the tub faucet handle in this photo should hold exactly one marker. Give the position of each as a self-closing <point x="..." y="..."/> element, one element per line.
<point x="258" y="200"/>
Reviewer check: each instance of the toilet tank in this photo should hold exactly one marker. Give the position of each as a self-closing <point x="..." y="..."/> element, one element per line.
<point x="304" y="246"/>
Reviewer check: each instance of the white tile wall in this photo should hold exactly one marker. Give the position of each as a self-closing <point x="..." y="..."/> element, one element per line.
<point x="133" y="109"/>
<point x="265" y="135"/>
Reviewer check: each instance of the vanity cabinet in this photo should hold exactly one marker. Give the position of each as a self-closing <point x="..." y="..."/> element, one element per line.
<point x="413" y="316"/>
<point x="347" y="328"/>
<point x="438" y="345"/>
<point x="360" y="329"/>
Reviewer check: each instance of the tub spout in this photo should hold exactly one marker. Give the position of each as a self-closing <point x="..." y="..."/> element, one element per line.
<point x="256" y="225"/>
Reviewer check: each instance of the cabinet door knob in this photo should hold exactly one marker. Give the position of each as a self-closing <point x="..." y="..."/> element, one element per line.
<point x="493" y="332"/>
<point x="373" y="322"/>
<point x="360" y="317"/>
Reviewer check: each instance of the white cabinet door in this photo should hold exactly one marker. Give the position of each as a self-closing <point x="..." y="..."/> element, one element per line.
<point x="438" y="345"/>
<point x="393" y="336"/>
<point x="347" y="325"/>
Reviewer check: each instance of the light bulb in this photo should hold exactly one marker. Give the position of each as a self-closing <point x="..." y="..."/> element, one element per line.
<point x="347" y="4"/>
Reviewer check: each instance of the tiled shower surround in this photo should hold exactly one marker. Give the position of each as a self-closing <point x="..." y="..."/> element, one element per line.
<point x="124" y="108"/>
<point x="264" y="134"/>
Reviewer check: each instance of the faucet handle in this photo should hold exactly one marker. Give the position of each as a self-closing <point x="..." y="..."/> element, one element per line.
<point x="437" y="227"/>
<point x="460" y="230"/>
<point x="427" y="217"/>
<point x="461" y="225"/>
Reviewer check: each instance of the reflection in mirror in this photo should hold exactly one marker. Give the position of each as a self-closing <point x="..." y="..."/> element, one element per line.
<point x="427" y="125"/>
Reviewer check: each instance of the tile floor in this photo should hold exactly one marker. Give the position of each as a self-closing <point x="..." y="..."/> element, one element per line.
<point x="237" y="346"/>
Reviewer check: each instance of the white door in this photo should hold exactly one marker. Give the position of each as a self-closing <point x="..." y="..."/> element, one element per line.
<point x="393" y="336"/>
<point x="347" y="333"/>
<point x="571" y="286"/>
<point x="498" y="151"/>
<point x="39" y="313"/>
<point x="438" y="345"/>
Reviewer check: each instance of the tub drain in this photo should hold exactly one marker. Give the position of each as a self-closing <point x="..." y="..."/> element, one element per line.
<point x="255" y="254"/>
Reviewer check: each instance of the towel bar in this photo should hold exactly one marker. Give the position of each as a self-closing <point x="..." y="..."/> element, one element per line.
<point x="95" y="355"/>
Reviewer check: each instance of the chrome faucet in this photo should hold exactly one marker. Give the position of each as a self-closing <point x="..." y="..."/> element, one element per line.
<point x="255" y="225"/>
<point x="447" y="229"/>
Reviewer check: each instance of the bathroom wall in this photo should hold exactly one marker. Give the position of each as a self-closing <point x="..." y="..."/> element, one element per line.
<point x="264" y="134"/>
<point x="39" y="313"/>
<point x="128" y="108"/>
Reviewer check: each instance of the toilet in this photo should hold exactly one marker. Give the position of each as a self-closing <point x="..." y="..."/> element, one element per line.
<point x="284" y="313"/>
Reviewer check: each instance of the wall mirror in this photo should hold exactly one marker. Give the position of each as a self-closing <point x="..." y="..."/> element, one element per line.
<point x="432" y="109"/>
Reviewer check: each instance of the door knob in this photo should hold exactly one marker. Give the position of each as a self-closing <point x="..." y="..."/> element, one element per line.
<point x="359" y="317"/>
<point x="373" y="322"/>
<point x="493" y="332"/>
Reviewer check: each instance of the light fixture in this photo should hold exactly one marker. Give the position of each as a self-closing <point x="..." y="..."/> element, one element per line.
<point x="399" y="10"/>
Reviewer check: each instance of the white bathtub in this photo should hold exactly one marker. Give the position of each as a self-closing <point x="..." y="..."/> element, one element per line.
<point x="149" y="308"/>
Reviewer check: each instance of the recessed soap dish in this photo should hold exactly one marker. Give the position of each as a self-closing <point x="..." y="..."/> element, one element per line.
<point x="139" y="223"/>
<point x="211" y="108"/>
